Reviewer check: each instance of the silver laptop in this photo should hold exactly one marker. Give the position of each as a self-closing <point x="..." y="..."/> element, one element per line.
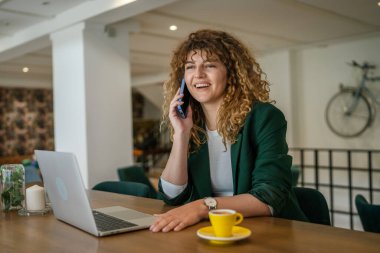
<point x="64" y="185"/>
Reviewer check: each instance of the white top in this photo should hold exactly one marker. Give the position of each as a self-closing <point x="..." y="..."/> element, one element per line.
<point x="220" y="165"/>
<point x="220" y="169"/>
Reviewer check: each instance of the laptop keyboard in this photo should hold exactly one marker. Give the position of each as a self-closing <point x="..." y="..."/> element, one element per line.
<point x="106" y="222"/>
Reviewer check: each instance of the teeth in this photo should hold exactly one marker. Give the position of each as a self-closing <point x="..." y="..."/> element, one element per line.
<point x="201" y="85"/>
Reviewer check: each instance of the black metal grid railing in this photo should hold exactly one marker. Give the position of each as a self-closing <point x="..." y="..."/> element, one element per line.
<point x="318" y="169"/>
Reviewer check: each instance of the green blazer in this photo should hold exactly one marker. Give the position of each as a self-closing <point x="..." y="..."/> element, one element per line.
<point x="260" y="165"/>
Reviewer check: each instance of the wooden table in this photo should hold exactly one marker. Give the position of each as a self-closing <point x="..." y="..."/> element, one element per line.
<point x="46" y="234"/>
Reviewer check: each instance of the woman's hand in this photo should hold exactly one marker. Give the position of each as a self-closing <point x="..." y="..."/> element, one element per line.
<point x="175" y="170"/>
<point x="180" y="125"/>
<point x="180" y="217"/>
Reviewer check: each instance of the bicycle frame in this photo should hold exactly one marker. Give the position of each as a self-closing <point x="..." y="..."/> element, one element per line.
<point x="362" y="90"/>
<point x="358" y="93"/>
<point x="372" y="96"/>
<point x="370" y="93"/>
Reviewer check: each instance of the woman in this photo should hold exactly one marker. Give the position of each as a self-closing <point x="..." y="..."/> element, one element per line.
<point x="230" y="150"/>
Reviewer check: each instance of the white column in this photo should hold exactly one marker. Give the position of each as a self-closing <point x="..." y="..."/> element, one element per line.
<point x="278" y="68"/>
<point x="92" y="99"/>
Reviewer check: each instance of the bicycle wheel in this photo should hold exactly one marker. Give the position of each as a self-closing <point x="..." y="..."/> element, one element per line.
<point x="347" y="124"/>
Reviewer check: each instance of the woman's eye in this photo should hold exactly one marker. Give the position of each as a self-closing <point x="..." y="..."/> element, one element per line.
<point x="189" y="67"/>
<point x="210" y="66"/>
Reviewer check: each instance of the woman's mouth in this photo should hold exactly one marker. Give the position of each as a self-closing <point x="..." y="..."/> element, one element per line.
<point x="201" y="85"/>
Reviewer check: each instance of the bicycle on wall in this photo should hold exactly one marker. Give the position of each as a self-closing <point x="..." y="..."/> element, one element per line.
<point x="351" y="111"/>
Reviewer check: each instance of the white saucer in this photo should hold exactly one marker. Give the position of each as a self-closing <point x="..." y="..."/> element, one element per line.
<point x="238" y="233"/>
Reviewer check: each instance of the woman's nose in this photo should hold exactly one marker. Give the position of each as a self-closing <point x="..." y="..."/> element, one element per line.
<point x="199" y="72"/>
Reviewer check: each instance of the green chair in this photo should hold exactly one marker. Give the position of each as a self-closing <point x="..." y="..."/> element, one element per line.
<point x="136" y="174"/>
<point x="295" y="169"/>
<point x="369" y="214"/>
<point x="313" y="204"/>
<point x="128" y="188"/>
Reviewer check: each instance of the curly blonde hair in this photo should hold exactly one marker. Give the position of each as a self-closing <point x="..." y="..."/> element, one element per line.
<point x="246" y="83"/>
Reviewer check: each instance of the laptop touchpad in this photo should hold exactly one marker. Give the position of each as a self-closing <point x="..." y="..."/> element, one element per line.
<point x="123" y="213"/>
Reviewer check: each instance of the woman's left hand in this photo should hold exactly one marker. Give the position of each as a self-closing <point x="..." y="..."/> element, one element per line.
<point x="180" y="217"/>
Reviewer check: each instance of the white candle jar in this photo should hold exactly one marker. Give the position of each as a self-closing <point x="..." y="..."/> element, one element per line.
<point x="35" y="198"/>
<point x="12" y="187"/>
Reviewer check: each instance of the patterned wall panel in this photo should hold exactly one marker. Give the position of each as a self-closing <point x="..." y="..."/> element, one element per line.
<point x="26" y="121"/>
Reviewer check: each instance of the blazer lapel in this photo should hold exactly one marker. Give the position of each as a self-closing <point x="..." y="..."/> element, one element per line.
<point x="235" y="153"/>
<point x="200" y="172"/>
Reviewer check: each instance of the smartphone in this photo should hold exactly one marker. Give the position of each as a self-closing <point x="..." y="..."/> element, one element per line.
<point x="182" y="109"/>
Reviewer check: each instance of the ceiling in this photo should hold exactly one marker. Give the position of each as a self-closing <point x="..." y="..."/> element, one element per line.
<point x="265" y="25"/>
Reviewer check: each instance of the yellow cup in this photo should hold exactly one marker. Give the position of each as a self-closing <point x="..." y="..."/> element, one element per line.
<point x="223" y="220"/>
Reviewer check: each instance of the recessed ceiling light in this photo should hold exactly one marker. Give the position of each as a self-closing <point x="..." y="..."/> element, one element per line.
<point x="378" y="3"/>
<point x="173" y="28"/>
<point x="25" y="69"/>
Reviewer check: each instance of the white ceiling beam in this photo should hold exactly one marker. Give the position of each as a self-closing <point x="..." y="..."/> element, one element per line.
<point x="99" y="11"/>
<point x="17" y="82"/>
<point x="149" y="79"/>
<point x="17" y="50"/>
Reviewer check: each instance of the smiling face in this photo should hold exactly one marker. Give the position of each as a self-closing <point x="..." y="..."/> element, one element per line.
<point x="206" y="78"/>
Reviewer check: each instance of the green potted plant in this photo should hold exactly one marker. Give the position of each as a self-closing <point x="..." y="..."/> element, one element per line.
<point x="12" y="186"/>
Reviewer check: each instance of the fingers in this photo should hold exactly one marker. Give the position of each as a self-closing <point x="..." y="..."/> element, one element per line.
<point x="178" y="218"/>
<point x="170" y="226"/>
<point x="178" y="123"/>
<point x="174" y="103"/>
<point x="176" y="97"/>
<point x="167" y="224"/>
<point x="164" y="224"/>
<point x="180" y="226"/>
